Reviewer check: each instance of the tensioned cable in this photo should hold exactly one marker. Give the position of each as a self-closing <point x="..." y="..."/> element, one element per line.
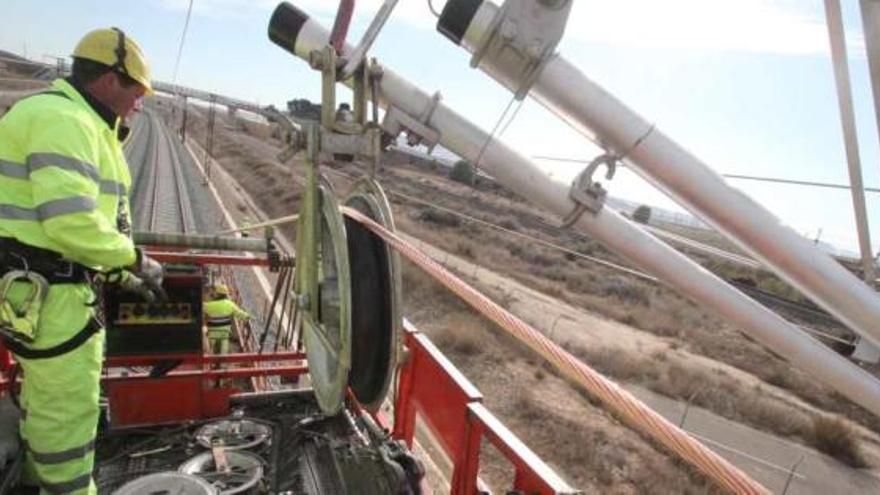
<point x="182" y="40"/>
<point x="564" y="249"/>
<point x="491" y="135"/>
<point x="796" y="182"/>
<point x="599" y="261"/>
<point x="512" y="117"/>
<point x="775" y="180"/>
<point x="612" y="395"/>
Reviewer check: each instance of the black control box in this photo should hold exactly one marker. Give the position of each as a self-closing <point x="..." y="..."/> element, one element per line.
<point x="173" y="326"/>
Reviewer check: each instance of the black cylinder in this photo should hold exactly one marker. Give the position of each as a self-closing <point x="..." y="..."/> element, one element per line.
<point x="456" y="17"/>
<point x="285" y="25"/>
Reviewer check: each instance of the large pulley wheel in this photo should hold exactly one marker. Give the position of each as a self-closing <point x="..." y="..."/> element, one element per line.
<point x="242" y="471"/>
<point x="351" y="328"/>
<point x="375" y="297"/>
<point x="326" y="325"/>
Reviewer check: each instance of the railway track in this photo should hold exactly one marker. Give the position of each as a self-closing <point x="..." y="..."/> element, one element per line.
<point x="160" y="200"/>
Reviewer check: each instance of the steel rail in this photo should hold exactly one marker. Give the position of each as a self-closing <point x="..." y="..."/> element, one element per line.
<point x="140" y="157"/>
<point x="165" y="199"/>
<point x="180" y="184"/>
<point x="154" y="177"/>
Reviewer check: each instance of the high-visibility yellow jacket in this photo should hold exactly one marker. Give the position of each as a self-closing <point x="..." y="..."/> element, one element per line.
<point x="64" y="180"/>
<point x="219" y="314"/>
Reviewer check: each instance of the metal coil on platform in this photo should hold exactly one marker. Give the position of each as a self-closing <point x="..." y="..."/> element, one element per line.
<point x="167" y="482"/>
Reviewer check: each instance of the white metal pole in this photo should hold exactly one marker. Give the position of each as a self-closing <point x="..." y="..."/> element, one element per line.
<point x="871" y="30"/>
<point x="587" y="107"/>
<point x="837" y="38"/>
<point x="524" y="177"/>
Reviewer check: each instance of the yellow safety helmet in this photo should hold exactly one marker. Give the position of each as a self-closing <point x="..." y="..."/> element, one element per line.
<point x="221" y="290"/>
<point x="111" y="47"/>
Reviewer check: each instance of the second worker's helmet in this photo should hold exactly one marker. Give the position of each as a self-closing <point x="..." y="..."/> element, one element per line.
<point x="111" y="47"/>
<point x="221" y="290"/>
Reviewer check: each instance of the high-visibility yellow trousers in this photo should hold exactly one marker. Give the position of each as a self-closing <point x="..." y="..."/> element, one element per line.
<point x="218" y="340"/>
<point x="59" y="396"/>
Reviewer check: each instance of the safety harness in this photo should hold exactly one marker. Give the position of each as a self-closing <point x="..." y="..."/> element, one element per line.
<point x="40" y="268"/>
<point x="21" y="263"/>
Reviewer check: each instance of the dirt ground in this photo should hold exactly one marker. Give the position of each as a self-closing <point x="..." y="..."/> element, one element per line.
<point x="640" y="332"/>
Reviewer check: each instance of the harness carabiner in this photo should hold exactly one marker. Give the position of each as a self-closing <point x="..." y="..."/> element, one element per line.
<point x="19" y="321"/>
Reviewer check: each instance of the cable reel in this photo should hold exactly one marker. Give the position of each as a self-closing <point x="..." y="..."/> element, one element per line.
<point x="348" y="283"/>
<point x="323" y="286"/>
<point x="347" y="280"/>
<point x="376" y="299"/>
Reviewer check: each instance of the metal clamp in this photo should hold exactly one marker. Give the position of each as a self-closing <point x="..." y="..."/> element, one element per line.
<point x="521" y="39"/>
<point x="589" y="195"/>
<point x="417" y="129"/>
<point x="415" y="138"/>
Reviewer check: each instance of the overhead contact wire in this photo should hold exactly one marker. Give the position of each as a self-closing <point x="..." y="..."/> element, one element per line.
<point x="182" y="41"/>
<point x="636" y="413"/>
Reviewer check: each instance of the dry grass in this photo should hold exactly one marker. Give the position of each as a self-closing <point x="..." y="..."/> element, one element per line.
<point x="721" y="395"/>
<point x="837" y="439"/>
<point x="594" y="452"/>
<point x="461" y="336"/>
<point x="607" y="465"/>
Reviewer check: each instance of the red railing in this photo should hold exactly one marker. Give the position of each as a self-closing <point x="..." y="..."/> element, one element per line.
<point x="194" y="390"/>
<point x="432" y="389"/>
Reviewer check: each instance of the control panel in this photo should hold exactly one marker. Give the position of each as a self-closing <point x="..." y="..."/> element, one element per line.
<point x="163" y="313"/>
<point x="172" y="326"/>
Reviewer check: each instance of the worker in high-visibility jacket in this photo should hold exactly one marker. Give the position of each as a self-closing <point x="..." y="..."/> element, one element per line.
<point x="219" y="314"/>
<point x="64" y="219"/>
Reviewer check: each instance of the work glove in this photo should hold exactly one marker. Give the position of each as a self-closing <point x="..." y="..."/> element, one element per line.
<point x="129" y="282"/>
<point x="147" y="269"/>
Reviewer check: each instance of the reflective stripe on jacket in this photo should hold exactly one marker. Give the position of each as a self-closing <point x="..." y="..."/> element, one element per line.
<point x="219" y="314"/>
<point x="64" y="179"/>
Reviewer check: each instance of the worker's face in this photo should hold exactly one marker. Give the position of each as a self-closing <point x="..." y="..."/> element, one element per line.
<point x="122" y="94"/>
<point x="128" y="96"/>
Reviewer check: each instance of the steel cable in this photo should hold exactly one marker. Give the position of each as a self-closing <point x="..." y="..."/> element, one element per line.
<point x="182" y="41"/>
<point x="636" y="413"/>
<point x="280" y="285"/>
<point x="563" y="249"/>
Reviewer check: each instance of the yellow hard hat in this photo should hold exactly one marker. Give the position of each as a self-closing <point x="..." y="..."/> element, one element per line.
<point x="111" y="47"/>
<point x="221" y="289"/>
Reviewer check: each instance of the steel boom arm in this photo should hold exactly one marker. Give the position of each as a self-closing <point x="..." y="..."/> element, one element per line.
<point x="588" y="108"/>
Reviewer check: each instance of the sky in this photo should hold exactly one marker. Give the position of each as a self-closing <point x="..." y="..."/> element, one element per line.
<point x="747" y="85"/>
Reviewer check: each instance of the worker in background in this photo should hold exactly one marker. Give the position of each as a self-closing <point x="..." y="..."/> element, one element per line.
<point x="219" y="313"/>
<point x="64" y="220"/>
